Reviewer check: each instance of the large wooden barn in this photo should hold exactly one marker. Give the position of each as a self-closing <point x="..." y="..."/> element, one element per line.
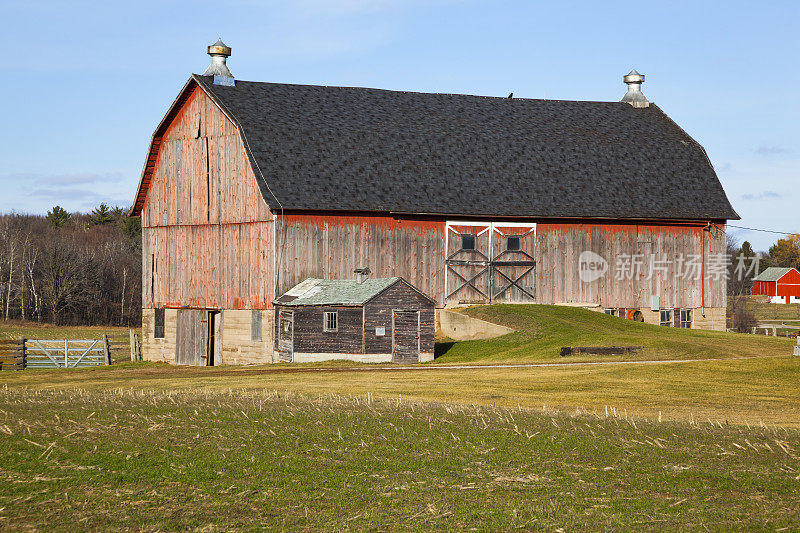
<point x="250" y="188"/>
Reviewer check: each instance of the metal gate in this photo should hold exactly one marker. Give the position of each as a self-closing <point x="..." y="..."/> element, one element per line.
<point x="66" y="353"/>
<point x="490" y="262"/>
<point x="285" y="336"/>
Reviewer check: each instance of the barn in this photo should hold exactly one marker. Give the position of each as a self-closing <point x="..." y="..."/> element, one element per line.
<point x="781" y="284"/>
<point x="250" y="188"/>
<point x="378" y="320"/>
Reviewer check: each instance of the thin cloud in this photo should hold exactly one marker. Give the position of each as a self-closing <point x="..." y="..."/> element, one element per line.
<point x="63" y="180"/>
<point x="762" y="196"/>
<point x="771" y="150"/>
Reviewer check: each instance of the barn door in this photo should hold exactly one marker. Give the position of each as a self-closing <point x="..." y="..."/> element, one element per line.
<point x="405" y="336"/>
<point x="490" y="262"/>
<point x="467" y="262"/>
<point x="191" y="339"/>
<point x="513" y="269"/>
<point x="285" y="335"/>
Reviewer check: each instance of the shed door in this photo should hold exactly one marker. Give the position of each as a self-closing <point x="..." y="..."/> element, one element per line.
<point x="405" y="336"/>
<point x="191" y="337"/>
<point x="513" y="269"/>
<point x="467" y="263"/>
<point x="285" y="335"/>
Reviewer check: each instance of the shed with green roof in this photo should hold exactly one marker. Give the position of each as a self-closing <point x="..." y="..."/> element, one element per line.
<point x="376" y="320"/>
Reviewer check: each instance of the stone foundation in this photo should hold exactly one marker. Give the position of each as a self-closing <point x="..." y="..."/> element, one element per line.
<point x="235" y="347"/>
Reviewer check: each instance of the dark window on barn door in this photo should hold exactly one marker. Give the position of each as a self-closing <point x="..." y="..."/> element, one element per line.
<point x="158" y="326"/>
<point x="330" y="321"/>
<point x="512" y="243"/>
<point x="255" y="326"/>
<point x="467" y="241"/>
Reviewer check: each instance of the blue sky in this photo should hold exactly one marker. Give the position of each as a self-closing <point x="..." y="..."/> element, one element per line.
<point x="87" y="82"/>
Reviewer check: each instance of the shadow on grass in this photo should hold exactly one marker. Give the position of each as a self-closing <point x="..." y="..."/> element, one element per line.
<point x="441" y="348"/>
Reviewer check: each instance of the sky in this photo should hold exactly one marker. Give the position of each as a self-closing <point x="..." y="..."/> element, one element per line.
<point x="86" y="83"/>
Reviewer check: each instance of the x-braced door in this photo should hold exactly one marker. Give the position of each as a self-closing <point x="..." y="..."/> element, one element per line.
<point x="513" y="268"/>
<point x="490" y="262"/>
<point x="467" y="262"/>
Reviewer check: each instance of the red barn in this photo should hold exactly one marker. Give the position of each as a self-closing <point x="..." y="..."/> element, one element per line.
<point x="781" y="284"/>
<point x="249" y="188"/>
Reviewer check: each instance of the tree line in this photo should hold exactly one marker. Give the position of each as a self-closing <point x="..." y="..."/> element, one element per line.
<point x="71" y="268"/>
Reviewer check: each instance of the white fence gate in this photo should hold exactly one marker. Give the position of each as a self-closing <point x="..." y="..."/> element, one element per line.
<point x="66" y="353"/>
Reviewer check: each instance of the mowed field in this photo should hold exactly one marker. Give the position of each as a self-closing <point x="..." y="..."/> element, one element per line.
<point x="666" y="443"/>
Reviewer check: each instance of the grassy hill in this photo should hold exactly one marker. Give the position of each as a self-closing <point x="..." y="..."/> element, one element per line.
<point x="543" y="329"/>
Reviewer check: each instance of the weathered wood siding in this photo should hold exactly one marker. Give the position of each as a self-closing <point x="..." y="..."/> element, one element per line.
<point x="207" y="235"/>
<point x="378" y="313"/>
<point x="559" y="247"/>
<point x="309" y="336"/>
<point x="331" y="246"/>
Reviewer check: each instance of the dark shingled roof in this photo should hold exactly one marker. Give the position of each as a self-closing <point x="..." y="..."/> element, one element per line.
<point x="356" y="149"/>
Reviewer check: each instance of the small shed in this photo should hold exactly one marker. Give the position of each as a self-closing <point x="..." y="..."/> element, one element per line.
<point x="376" y="320"/>
<point x="781" y="284"/>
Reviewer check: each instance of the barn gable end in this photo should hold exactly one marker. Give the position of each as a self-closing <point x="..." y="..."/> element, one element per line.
<point x="207" y="231"/>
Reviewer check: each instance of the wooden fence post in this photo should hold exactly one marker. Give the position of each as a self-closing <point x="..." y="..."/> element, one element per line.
<point x="138" y="347"/>
<point x="22" y="341"/>
<point x="106" y="350"/>
<point x="132" y="337"/>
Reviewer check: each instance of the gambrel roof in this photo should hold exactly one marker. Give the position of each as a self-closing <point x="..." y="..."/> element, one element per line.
<point x="370" y="150"/>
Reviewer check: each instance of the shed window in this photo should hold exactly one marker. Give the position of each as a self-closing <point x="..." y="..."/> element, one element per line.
<point x="512" y="243"/>
<point x="330" y="321"/>
<point x="686" y="318"/>
<point x="467" y="241"/>
<point x="255" y="326"/>
<point x="666" y="317"/>
<point x="158" y="328"/>
<point x="611" y="311"/>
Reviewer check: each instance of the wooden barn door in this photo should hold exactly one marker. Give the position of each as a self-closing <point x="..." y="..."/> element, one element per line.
<point x="512" y="269"/>
<point x="285" y="335"/>
<point x="191" y="339"/>
<point x="467" y="262"/>
<point x="405" y="336"/>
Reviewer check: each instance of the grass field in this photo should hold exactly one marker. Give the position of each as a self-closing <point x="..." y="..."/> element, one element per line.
<point x="217" y="460"/>
<point x="543" y="329"/>
<point x="662" y="445"/>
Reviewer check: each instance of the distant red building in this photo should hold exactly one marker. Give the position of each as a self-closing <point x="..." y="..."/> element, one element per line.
<point x="782" y="285"/>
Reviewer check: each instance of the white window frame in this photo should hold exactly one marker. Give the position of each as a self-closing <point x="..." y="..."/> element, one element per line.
<point x="689" y="322"/>
<point x="326" y="316"/>
<point x="612" y="311"/>
<point x="668" y="323"/>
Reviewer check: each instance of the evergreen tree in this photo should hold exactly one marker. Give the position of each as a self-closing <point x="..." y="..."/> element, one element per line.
<point x="101" y="215"/>
<point x="57" y="217"/>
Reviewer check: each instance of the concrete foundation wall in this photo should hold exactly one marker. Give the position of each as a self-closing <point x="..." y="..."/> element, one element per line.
<point x="161" y="350"/>
<point x="460" y="327"/>
<point x="714" y="318"/>
<point x="238" y="348"/>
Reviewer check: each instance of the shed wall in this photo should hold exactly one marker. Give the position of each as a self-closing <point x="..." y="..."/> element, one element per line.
<point x="378" y="313"/>
<point x="310" y="338"/>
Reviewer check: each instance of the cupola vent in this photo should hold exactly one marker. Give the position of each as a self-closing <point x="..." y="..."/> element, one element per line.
<point x="635" y="96"/>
